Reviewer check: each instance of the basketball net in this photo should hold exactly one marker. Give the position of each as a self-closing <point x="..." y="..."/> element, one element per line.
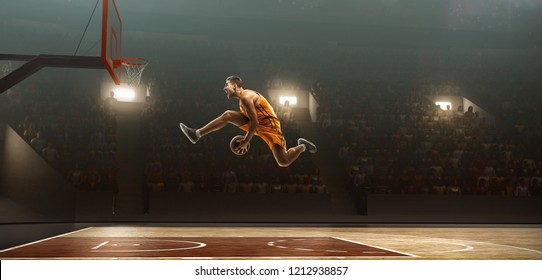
<point x="6" y="69"/>
<point x="133" y="69"/>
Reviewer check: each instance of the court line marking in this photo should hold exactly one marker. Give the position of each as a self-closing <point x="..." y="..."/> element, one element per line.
<point x="198" y="245"/>
<point x="435" y="240"/>
<point x="378" y="247"/>
<point x="304" y="249"/>
<point x="337" y="251"/>
<point x="273" y="244"/>
<point x="252" y="257"/>
<point x="459" y="240"/>
<point x="510" y="246"/>
<point x="466" y="247"/>
<point x="100" y="245"/>
<point x="42" y="240"/>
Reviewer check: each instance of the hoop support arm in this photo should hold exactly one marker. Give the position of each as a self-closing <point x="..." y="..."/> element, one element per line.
<point x="36" y="62"/>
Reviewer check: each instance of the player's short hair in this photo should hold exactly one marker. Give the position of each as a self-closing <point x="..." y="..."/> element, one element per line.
<point x="235" y="80"/>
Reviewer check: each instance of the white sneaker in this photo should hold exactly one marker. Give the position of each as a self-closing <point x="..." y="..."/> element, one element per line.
<point x="190" y="133"/>
<point x="309" y="146"/>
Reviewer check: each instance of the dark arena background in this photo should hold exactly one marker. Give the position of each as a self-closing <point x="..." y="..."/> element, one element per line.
<point x="426" y="116"/>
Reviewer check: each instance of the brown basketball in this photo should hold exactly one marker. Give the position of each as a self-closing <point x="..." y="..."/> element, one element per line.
<point x="234" y="143"/>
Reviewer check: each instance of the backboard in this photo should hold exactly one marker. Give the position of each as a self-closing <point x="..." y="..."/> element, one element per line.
<point x="111" y="56"/>
<point x="112" y="40"/>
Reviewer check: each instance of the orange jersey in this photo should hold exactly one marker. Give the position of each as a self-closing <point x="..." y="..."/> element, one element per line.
<point x="268" y="124"/>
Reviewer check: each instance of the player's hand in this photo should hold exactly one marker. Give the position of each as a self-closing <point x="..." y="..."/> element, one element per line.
<point x="243" y="146"/>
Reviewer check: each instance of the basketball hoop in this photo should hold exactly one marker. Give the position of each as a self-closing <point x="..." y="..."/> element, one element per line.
<point x="133" y="68"/>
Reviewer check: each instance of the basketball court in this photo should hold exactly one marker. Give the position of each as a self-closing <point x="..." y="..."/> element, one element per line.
<point x="270" y="243"/>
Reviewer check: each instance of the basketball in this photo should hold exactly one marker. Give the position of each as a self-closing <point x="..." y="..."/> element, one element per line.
<point x="234" y="143"/>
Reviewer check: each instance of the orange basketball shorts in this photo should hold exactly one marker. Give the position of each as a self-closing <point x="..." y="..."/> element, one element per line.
<point x="271" y="136"/>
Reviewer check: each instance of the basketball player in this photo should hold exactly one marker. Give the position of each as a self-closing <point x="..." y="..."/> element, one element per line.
<point x="256" y="117"/>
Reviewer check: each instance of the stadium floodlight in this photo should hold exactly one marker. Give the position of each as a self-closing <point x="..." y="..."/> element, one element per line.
<point x="291" y="99"/>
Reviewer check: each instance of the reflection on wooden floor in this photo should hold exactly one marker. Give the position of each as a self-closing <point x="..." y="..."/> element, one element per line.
<point x="401" y="243"/>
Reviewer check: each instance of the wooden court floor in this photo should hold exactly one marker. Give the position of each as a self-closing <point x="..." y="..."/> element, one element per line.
<point x="322" y="243"/>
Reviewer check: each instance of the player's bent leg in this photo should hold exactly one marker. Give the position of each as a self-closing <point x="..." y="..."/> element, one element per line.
<point x="285" y="157"/>
<point x="228" y="117"/>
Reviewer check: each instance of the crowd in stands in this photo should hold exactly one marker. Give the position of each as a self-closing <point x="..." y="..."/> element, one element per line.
<point x="394" y="140"/>
<point x="74" y="133"/>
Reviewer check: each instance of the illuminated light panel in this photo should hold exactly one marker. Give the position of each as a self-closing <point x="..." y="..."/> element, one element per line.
<point x="124" y="94"/>
<point x="291" y="99"/>
<point x="443" y="104"/>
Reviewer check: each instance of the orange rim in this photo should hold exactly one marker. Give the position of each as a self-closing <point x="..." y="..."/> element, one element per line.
<point x="133" y="61"/>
